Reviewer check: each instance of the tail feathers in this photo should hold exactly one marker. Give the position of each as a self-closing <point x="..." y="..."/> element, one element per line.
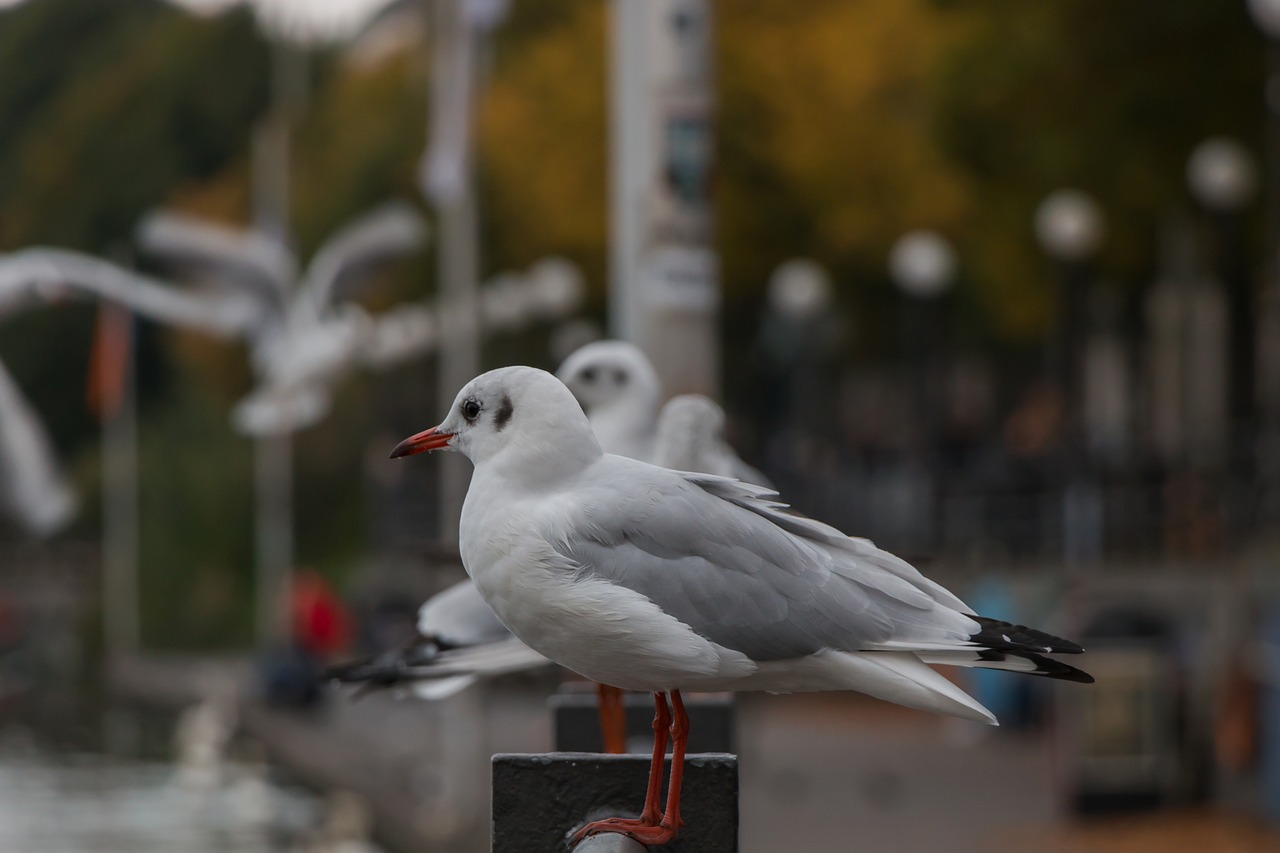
<point x="914" y="684"/>
<point x="436" y="689"/>
<point x="1029" y="663"/>
<point x="488" y="659"/>
<point x="899" y="677"/>
<point x="425" y="669"/>
<point x="385" y="670"/>
<point x="998" y="645"/>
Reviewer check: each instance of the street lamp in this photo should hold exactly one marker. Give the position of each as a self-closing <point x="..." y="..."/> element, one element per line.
<point x="923" y="265"/>
<point x="1223" y="178"/>
<point x="799" y="290"/>
<point x="1069" y="227"/>
<point x="1266" y="14"/>
<point x="1222" y="174"/>
<point x="797" y="339"/>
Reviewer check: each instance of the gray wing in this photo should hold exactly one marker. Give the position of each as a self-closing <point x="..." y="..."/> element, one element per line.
<point x="742" y="571"/>
<point x="459" y="616"/>
<point x="386" y="232"/>
<point x="742" y="471"/>
<point x="32" y="484"/>
<point x="40" y="275"/>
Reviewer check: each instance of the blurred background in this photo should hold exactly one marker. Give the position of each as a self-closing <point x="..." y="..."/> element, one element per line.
<point x="996" y="286"/>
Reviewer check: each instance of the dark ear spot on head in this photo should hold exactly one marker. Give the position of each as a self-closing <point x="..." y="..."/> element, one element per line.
<point x="502" y="415"/>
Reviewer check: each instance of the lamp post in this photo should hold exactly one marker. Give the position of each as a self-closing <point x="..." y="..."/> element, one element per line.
<point x="796" y="340"/>
<point x="1266" y="14"/>
<point x="1069" y="227"/>
<point x="1222" y="177"/>
<point x="923" y="266"/>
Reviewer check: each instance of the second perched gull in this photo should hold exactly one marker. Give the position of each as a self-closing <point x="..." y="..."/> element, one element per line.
<point x="616" y="384"/>
<point x="691" y="438"/>
<point x="650" y="579"/>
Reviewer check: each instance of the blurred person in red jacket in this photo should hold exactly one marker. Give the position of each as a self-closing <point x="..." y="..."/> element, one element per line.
<point x="318" y="620"/>
<point x="319" y="632"/>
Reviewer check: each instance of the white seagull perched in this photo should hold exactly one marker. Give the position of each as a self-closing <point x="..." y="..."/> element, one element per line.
<point x="618" y="388"/>
<point x="691" y="438"/>
<point x="650" y="579"/>
<point x="459" y="641"/>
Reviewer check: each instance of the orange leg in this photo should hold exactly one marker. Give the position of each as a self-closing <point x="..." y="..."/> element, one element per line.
<point x="679" y="741"/>
<point x="613" y="719"/>
<point x="649" y="830"/>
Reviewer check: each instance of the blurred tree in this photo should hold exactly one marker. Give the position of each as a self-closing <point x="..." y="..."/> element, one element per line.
<point x="106" y="107"/>
<point x="1109" y="97"/>
<point x="542" y="137"/>
<point x="842" y="123"/>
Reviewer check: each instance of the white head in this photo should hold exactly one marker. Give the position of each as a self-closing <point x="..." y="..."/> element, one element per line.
<point x="618" y="387"/>
<point x="690" y="434"/>
<point x="521" y="416"/>
<point x="604" y="374"/>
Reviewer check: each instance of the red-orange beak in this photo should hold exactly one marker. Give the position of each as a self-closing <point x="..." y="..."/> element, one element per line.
<point x="429" y="439"/>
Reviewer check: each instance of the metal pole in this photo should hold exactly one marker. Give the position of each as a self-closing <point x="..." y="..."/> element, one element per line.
<point x="273" y="540"/>
<point x="630" y="156"/>
<point x="459" y="359"/>
<point x="1271" y="97"/>
<point x="459" y="355"/>
<point x="664" y="288"/>
<point x="272" y="456"/>
<point x="120" y="506"/>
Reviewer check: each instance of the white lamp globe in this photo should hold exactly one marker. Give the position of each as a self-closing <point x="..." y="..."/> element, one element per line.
<point x="799" y="289"/>
<point x="922" y="263"/>
<point x="1068" y="225"/>
<point x="1266" y="14"/>
<point x="1221" y="174"/>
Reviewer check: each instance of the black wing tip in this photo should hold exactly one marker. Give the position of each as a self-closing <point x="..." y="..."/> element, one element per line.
<point x="1006" y="636"/>
<point x="1046" y="667"/>
<point x="356" y="672"/>
<point x="1050" y="668"/>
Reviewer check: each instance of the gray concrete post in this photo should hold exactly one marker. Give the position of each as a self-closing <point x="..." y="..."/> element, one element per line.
<point x="540" y="800"/>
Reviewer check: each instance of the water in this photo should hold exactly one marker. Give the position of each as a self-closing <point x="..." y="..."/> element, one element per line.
<point x="75" y="802"/>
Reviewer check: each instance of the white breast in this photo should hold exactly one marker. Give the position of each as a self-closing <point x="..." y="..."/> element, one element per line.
<point x="600" y="630"/>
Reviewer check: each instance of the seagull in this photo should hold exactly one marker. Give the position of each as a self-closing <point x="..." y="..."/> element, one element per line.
<point x="459" y="641"/>
<point x="662" y="581"/>
<point x="618" y="388"/>
<point x="33" y="487"/>
<point x="616" y="385"/>
<point x="690" y="437"/>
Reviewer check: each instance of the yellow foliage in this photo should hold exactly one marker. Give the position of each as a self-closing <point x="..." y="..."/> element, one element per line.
<point x="838" y="95"/>
<point x="823" y="116"/>
<point x="543" y="144"/>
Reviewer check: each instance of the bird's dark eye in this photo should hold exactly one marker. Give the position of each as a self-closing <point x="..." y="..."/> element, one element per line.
<point x="589" y="374"/>
<point x="620" y="377"/>
<point x="470" y="409"/>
